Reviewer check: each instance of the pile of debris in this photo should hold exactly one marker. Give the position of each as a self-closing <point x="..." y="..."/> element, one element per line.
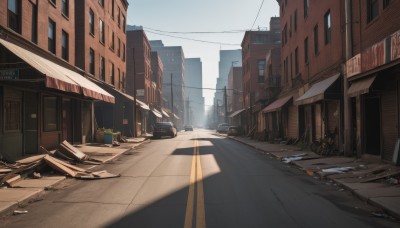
<point x="63" y="160"/>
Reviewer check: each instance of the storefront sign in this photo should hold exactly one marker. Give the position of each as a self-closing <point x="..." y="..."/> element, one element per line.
<point x="353" y="66"/>
<point x="10" y="74"/>
<point x="373" y="56"/>
<point x="395" y="46"/>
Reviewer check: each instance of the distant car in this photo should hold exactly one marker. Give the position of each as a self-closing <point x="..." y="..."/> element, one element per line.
<point x="223" y="128"/>
<point x="234" y="131"/>
<point x="188" y="128"/>
<point x="164" y="129"/>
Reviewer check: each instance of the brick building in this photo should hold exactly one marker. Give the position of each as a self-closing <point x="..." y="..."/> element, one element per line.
<point x="311" y="68"/>
<point x="44" y="99"/>
<point x="235" y="96"/>
<point x="255" y="46"/>
<point x="100" y="52"/>
<point x="157" y="71"/>
<point x="373" y="71"/>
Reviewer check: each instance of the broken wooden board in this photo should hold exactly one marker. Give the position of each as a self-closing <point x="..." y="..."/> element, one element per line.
<point x="20" y="169"/>
<point x="2" y="171"/>
<point x="52" y="162"/>
<point x="70" y="151"/>
<point x="98" y="175"/>
<point x="382" y="175"/>
<point x="76" y="168"/>
<point x="13" y="180"/>
<point x="31" y="159"/>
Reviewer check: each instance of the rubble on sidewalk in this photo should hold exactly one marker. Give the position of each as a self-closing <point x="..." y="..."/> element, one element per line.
<point x="62" y="160"/>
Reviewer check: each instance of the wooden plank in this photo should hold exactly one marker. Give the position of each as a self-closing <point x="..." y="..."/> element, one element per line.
<point x="31" y="159"/>
<point x="76" y="168"/>
<point x="58" y="166"/>
<point x="5" y="170"/>
<point x="382" y="175"/>
<point x="71" y="150"/>
<point x="13" y="179"/>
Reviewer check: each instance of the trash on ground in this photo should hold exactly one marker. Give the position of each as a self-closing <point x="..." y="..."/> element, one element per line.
<point x="379" y="215"/>
<point x="20" y="212"/>
<point x="337" y="170"/>
<point x="294" y="157"/>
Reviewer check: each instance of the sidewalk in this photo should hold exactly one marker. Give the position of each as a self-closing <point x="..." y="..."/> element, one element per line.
<point x="30" y="190"/>
<point x="372" y="181"/>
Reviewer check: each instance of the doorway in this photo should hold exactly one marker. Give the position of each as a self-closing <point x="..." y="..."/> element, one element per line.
<point x="372" y="125"/>
<point x="30" y="123"/>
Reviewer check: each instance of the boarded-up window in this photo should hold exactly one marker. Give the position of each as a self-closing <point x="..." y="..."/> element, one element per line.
<point x="12" y="115"/>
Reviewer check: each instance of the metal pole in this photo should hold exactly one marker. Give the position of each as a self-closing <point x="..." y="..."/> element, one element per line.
<point x="346" y="100"/>
<point x="226" y="105"/>
<point x="172" y="98"/>
<point x="134" y="95"/>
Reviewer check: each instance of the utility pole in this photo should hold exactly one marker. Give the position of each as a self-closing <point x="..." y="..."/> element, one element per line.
<point x="188" y="113"/>
<point x="226" y="105"/>
<point x="172" y="98"/>
<point x="346" y="101"/>
<point x="134" y="95"/>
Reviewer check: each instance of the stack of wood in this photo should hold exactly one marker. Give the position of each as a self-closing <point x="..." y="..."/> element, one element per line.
<point x="62" y="160"/>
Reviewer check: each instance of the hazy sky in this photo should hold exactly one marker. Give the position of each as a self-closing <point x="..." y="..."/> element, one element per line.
<point x="201" y="16"/>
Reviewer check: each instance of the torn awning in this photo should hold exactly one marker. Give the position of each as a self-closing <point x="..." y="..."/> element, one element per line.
<point x="237" y="112"/>
<point x="59" y="77"/>
<point x="360" y="86"/>
<point x="156" y="112"/>
<point x="143" y="105"/>
<point x="317" y="91"/>
<point x="164" y="113"/>
<point x="276" y="105"/>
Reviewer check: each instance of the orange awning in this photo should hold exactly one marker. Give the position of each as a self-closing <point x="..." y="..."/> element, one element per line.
<point x="59" y="77"/>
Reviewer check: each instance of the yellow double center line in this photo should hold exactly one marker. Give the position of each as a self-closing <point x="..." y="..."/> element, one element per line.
<point x="196" y="183"/>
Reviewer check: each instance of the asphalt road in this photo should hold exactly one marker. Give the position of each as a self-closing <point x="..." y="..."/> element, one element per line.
<point x="198" y="179"/>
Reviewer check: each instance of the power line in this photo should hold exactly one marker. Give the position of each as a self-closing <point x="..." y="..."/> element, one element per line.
<point x="202" y="88"/>
<point x="184" y="38"/>
<point x="262" y="3"/>
<point x="196" y="32"/>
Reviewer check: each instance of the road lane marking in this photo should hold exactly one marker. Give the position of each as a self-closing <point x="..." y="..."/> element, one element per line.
<point x="200" y="210"/>
<point x="195" y="183"/>
<point x="190" y="201"/>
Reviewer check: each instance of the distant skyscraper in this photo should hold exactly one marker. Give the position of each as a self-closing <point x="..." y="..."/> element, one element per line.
<point x="194" y="94"/>
<point x="173" y="60"/>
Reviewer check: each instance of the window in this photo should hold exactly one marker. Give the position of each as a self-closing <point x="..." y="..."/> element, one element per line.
<point x="112" y="75"/>
<point x="285" y="39"/>
<point x="65" y="46"/>
<point x="296" y="61"/>
<point x="119" y="17"/>
<point x="101" y="26"/>
<point x="295" y="20"/>
<point x="291" y="65"/>
<point x="372" y="10"/>
<point x="14" y="17"/>
<point x="91" y="22"/>
<point x="306" y="50"/>
<point x="123" y="52"/>
<point x="91" y="61"/>
<point x="12" y="115"/>
<point x="261" y="68"/>
<point x="327" y="22"/>
<point x="53" y="2"/>
<point x="119" y="48"/>
<point x="316" y="47"/>
<point x="386" y="3"/>
<point x="119" y="77"/>
<point x="101" y="2"/>
<point x="112" y="8"/>
<point x="290" y="27"/>
<point x="102" y="68"/>
<point x="34" y="23"/>
<point x="306" y="7"/>
<point x="112" y="41"/>
<point x="50" y="113"/>
<point x="123" y="81"/>
<point x="52" y="36"/>
<point x="123" y="23"/>
<point x="65" y="7"/>
<point x="287" y="70"/>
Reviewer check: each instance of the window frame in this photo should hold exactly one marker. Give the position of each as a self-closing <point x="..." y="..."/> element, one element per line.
<point x="91" y="22"/>
<point x="316" y="41"/>
<point x="51" y="42"/>
<point x="102" y="73"/>
<point x="14" y="15"/>
<point x="306" y="4"/>
<point x="15" y="115"/>
<point x="34" y="32"/>
<point x="261" y="70"/>
<point x="306" y="55"/>
<point x="372" y="6"/>
<point x="112" y="73"/>
<point x="102" y="37"/>
<point x="65" y="45"/>
<point x="65" y="8"/>
<point x="296" y="61"/>
<point x="92" y="59"/>
<point x="327" y="27"/>
<point x="46" y="113"/>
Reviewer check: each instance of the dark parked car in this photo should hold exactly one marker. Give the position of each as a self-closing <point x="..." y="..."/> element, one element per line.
<point x="188" y="128"/>
<point x="223" y="128"/>
<point x="164" y="129"/>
